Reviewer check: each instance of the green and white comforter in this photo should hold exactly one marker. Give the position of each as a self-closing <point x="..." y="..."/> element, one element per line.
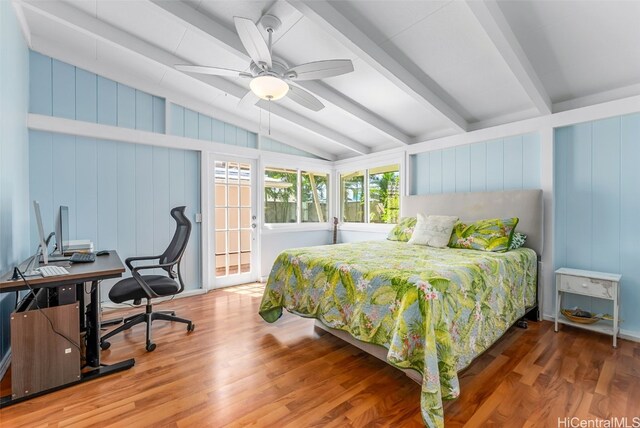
<point x="434" y="309"/>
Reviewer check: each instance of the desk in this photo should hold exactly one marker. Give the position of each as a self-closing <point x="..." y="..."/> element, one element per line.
<point x="105" y="267"/>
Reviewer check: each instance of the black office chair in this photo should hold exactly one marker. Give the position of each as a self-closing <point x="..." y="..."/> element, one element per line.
<point x="148" y="287"/>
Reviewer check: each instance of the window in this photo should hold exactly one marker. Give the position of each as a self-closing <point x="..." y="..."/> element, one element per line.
<point x="295" y="196"/>
<point x="314" y="191"/>
<point x="371" y="196"/>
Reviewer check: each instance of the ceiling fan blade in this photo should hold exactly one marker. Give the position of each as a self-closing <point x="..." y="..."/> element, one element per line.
<point x="215" y="71"/>
<point x="320" y="69"/>
<point x="248" y="100"/>
<point x="304" y="98"/>
<point x="252" y="41"/>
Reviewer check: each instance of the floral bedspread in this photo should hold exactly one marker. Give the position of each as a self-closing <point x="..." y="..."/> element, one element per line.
<point x="434" y="309"/>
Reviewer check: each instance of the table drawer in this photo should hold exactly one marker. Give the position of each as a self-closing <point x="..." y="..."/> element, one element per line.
<point x="588" y="286"/>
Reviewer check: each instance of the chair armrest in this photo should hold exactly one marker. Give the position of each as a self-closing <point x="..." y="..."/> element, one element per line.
<point x="134" y="273"/>
<point x="129" y="260"/>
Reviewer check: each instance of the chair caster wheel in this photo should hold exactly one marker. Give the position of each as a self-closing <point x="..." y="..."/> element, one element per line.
<point x="151" y="347"/>
<point x="190" y="327"/>
<point x="105" y="345"/>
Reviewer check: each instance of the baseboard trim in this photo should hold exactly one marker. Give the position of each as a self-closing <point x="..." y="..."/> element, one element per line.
<point x="110" y="306"/>
<point x="4" y="364"/>
<point x="633" y="336"/>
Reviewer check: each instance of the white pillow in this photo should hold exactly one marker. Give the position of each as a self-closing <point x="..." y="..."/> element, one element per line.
<point x="433" y="230"/>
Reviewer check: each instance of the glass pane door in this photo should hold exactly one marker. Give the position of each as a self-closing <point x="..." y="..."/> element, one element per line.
<point x="235" y="222"/>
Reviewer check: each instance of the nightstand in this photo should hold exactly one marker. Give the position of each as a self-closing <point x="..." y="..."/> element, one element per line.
<point x="593" y="284"/>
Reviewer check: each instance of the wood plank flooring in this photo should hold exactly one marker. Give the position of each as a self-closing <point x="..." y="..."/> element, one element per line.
<point x="236" y="370"/>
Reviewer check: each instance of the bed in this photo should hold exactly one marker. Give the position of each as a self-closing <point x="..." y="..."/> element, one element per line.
<point x="426" y="310"/>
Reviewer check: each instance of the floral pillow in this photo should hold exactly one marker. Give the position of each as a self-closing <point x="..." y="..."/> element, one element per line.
<point x="493" y="234"/>
<point x="403" y="230"/>
<point x="518" y="240"/>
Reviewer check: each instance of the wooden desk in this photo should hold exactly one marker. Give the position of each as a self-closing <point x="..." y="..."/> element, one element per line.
<point x="105" y="267"/>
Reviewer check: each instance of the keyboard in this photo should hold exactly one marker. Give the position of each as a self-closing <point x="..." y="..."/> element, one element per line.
<point x="83" y="258"/>
<point x="46" y="271"/>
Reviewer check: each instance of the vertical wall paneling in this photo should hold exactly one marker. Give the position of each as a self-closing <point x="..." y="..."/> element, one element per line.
<point x="144" y="199"/>
<point x="107" y="102"/>
<point x="463" y="169"/>
<point x="229" y="134"/>
<point x="241" y="137"/>
<point x="125" y="177"/>
<point x="597" y="203"/>
<point x="40" y="181"/>
<point x="144" y="111"/>
<point x="162" y="221"/>
<point x="252" y="140"/>
<point x="86" y="96"/>
<point x="478" y="167"/>
<point x="177" y="120"/>
<point x="107" y="196"/>
<point x="510" y="163"/>
<point x="605" y="182"/>
<point x="217" y="129"/>
<point x="159" y="113"/>
<point x="513" y="168"/>
<point x="204" y="127"/>
<point x="495" y="165"/>
<point x="40" y="84"/>
<point x="64" y="90"/>
<point x="578" y="167"/>
<point x="435" y="172"/>
<point x="126" y="106"/>
<point x="64" y="177"/>
<point x="629" y="209"/>
<point x="190" y="124"/>
<point x="86" y="201"/>
<point x="531" y="165"/>
<point x="449" y="170"/>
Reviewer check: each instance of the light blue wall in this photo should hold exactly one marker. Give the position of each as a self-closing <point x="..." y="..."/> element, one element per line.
<point x="278" y="147"/>
<point x="504" y="164"/>
<point x="191" y="124"/>
<point x="119" y="194"/>
<point x="14" y="165"/>
<point x="597" y="193"/>
<point x="62" y="90"/>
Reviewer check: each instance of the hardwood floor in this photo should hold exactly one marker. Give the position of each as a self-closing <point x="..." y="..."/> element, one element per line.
<point x="237" y="370"/>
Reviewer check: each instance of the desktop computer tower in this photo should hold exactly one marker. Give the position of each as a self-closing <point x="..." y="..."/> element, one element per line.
<point x="40" y="358"/>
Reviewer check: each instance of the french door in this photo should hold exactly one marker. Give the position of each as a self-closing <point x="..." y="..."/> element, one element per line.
<point x="235" y="249"/>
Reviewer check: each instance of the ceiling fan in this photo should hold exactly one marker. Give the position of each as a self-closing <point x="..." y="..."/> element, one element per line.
<point x="270" y="76"/>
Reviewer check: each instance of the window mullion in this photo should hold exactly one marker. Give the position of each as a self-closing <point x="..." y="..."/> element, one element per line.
<point x="299" y="197"/>
<point x="366" y="196"/>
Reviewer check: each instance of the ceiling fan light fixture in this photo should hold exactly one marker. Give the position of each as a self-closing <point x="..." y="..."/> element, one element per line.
<point x="269" y="87"/>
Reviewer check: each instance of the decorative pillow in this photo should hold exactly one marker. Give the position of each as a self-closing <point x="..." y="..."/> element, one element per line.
<point x="518" y="240"/>
<point x="403" y="230"/>
<point x="493" y="234"/>
<point x="433" y="230"/>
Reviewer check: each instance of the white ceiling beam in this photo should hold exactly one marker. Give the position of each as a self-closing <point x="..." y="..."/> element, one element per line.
<point x="84" y="23"/>
<point x="494" y="23"/>
<point x="24" y="25"/>
<point x="348" y="34"/>
<point x="229" y="40"/>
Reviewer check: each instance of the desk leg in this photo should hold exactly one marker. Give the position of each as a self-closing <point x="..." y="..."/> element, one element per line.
<point x="93" y="327"/>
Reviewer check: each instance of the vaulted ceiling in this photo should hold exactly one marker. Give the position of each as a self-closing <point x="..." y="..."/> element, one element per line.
<point x="423" y="69"/>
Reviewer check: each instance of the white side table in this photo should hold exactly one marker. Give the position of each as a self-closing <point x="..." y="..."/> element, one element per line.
<point x="593" y="284"/>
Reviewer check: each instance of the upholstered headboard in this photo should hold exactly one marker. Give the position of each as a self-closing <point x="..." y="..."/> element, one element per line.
<point x="524" y="204"/>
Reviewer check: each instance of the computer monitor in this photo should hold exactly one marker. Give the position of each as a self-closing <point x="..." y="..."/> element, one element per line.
<point x="42" y="244"/>
<point x="62" y="230"/>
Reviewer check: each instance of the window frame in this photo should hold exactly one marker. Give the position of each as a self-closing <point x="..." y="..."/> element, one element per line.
<point x="313" y="165"/>
<point x="365" y="165"/>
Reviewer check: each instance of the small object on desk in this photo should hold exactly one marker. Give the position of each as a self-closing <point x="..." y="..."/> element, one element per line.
<point x="83" y="258"/>
<point x="47" y="271"/>
<point x="102" y="253"/>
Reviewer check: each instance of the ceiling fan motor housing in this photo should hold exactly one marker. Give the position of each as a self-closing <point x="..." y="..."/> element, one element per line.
<point x="278" y="69"/>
